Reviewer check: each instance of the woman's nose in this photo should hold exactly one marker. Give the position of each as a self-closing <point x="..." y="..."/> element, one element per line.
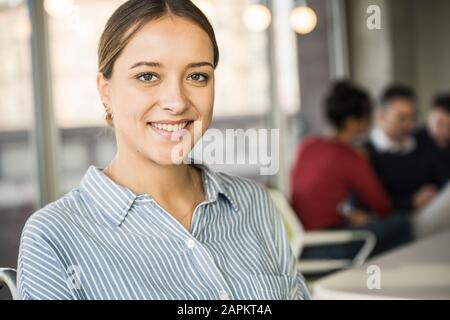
<point x="173" y="98"/>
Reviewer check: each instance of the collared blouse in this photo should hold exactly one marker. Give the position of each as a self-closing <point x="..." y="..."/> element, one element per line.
<point x="102" y="241"/>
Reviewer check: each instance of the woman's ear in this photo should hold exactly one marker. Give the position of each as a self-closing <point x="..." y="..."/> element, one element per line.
<point x="103" y="89"/>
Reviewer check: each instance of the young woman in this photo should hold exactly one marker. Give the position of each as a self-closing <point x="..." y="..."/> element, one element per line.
<point x="149" y="226"/>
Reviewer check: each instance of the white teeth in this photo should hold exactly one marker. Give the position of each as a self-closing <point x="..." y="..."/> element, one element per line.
<point x="169" y="127"/>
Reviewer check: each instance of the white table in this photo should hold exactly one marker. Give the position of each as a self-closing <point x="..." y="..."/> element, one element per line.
<point x="420" y="270"/>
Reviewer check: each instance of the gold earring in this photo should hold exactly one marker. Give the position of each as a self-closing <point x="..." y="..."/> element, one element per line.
<point x="108" y="116"/>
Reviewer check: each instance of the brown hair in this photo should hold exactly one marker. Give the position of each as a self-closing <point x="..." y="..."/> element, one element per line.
<point x="131" y="16"/>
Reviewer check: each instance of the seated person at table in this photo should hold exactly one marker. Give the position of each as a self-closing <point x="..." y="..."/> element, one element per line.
<point x="407" y="172"/>
<point x="329" y="171"/>
<point x="434" y="138"/>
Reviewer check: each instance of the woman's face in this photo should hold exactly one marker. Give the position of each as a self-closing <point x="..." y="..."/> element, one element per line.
<point x="162" y="88"/>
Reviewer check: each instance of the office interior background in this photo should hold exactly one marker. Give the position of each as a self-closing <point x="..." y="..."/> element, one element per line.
<point x="52" y="123"/>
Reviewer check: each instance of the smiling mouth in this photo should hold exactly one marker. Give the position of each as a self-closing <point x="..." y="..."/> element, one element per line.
<point x="167" y="129"/>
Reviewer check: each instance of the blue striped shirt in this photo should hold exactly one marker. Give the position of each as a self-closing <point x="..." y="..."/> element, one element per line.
<point x="102" y="241"/>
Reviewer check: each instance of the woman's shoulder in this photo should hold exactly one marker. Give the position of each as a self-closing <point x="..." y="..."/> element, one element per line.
<point x="314" y="145"/>
<point x="53" y="217"/>
<point x="339" y="149"/>
<point x="312" y="141"/>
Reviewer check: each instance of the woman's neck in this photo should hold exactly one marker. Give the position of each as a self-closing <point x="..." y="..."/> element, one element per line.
<point x="343" y="137"/>
<point x="162" y="182"/>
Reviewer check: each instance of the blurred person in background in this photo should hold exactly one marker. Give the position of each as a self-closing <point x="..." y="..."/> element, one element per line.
<point x="407" y="172"/>
<point x="333" y="184"/>
<point x="434" y="140"/>
<point x="434" y="137"/>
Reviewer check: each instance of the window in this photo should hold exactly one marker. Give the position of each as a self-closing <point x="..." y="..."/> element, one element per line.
<point x="17" y="176"/>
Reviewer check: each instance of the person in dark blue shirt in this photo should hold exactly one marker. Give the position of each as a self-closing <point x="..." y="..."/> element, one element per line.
<point x="434" y="137"/>
<point x="408" y="173"/>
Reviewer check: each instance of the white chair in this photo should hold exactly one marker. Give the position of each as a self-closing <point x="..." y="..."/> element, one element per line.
<point x="299" y="239"/>
<point x="8" y="278"/>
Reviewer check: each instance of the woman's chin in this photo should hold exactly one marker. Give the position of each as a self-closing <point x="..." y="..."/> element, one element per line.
<point x="169" y="156"/>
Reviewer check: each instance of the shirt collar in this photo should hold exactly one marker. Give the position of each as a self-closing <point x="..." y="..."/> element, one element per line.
<point x="215" y="186"/>
<point x="115" y="200"/>
<point x="383" y="143"/>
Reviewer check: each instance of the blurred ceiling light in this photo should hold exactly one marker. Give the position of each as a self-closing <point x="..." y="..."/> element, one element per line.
<point x="257" y="17"/>
<point x="303" y="19"/>
<point x="59" y="8"/>
<point x="207" y="8"/>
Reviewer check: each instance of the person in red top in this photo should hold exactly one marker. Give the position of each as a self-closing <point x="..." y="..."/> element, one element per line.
<point x="333" y="184"/>
<point x="328" y="171"/>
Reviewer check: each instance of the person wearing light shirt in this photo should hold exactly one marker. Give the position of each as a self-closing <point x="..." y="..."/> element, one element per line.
<point x="152" y="225"/>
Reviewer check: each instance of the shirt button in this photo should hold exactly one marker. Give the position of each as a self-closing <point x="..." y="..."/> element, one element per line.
<point x="224" y="295"/>
<point x="190" y="243"/>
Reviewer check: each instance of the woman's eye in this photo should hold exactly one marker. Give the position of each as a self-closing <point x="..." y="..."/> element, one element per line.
<point x="198" y="77"/>
<point x="147" y="77"/>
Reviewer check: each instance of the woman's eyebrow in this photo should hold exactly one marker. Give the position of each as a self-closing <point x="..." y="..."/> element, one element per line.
<point x="159" y="65"/>
<point x="199" y="64"/>
<point x="147" y="63"/>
